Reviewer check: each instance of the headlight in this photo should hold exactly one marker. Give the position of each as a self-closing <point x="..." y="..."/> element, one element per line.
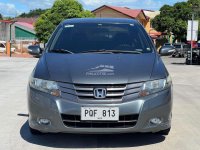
<point x="46" y="86"/>
<point x="154" y="86"/>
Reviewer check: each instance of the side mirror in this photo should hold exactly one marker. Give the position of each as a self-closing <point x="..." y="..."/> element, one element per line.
<point x="34" y="50"/>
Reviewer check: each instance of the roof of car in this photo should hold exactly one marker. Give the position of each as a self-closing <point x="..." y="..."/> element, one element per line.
<point x="100" y="20"/>
<point x="2" y="41"/>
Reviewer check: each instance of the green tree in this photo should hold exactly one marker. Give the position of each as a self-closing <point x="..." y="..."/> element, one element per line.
<point x="61" y="10"/>
<point x="33" y="13"/>
<point x="174" y="18"/>
<point x="1" y="17"/>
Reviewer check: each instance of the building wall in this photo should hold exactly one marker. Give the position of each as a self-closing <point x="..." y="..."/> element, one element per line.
<point x="109" y="13"/>
<point x="21" y="34"/>
<point x="4" y="31"/>
<point x="148" y="26"/>
<point x="151" y="15"/>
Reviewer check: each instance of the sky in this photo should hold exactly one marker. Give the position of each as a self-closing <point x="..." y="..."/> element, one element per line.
<point x="15" y="7"/>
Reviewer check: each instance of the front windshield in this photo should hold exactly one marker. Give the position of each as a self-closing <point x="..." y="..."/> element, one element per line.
<point x="82" y="37"/>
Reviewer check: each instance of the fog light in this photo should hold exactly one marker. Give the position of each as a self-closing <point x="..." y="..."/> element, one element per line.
<point x="155" y="121"/>
<point x="44" y="121"/>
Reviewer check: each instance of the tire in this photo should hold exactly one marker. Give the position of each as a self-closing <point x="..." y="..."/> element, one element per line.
<point x="187" y="62"/>
<point x="164" y="132"/>
<point x="173" y="55"/>
<point x="35" y="132"/>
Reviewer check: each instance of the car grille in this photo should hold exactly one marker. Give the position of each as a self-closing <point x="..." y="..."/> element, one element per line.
<point x="114" y="91"/>
<point x="74" y="121"/>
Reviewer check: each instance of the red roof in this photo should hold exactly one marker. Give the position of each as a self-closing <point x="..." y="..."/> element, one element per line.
<point x="27" y="20"/>
<point x="6" y="21"/>
<point x="153" y="32"/>
<point x="133" y="13"/>
<point x="27" y="25"/>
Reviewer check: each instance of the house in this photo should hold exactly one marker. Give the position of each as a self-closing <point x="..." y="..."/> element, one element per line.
<point x="20" y="30"/>
<point x="159" y="38"/>
<point x="106" y="11"/>
<point x="152" y="32"/>
<point x="24" y="31"/>
<point x="5" y="30"/>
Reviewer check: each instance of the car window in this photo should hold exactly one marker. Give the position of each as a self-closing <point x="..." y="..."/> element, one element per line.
<point x="2" y="46"/>
<point x="186" y="46"/>
<point x="168" y="46"/>
<point x="82" y="37"/>
<point x="177" y="46"/>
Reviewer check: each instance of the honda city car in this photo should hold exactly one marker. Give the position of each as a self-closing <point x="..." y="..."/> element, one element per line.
<point x="99" y="76"/>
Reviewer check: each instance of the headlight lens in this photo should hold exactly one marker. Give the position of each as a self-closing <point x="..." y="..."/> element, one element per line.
<point x="154" y="86"/>
<point x="46" y="86"/>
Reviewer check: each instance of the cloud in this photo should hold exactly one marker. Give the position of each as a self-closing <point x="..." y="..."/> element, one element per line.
<point x="32" y="4"/>
<point x="106" y="2"/>
<point x="7" y="9"/>
<point x="153" y="4"/>
<point x="15" y="7"/>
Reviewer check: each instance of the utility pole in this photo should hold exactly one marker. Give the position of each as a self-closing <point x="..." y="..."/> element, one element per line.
<point x="11" y="36"/>
<point x="191" y="37"/>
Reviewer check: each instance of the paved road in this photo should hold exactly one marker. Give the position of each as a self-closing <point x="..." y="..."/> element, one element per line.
<point x="14" y="133"/>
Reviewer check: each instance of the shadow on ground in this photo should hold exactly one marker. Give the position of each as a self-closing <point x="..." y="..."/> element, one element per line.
<point x="62" y="140"/>
<point x="178" y="63"/>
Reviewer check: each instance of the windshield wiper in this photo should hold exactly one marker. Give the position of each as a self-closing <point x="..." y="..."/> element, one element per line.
<point x="61" y="51"/>
<point x="125" y="51"/>
<point x="96" y="51"/>
<point x="113" y="51"/>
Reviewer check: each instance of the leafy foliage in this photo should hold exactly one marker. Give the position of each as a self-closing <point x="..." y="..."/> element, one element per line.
<point x="174" y="18"/>
<point x="32" y="13"/>
<point x="1" y="17"/>
<point x="61" y="10"/>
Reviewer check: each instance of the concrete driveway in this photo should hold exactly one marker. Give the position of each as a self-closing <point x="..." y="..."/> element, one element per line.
<point x="14" y="133"/>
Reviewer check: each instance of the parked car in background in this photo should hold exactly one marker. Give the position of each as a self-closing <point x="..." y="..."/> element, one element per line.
<point x="3" y="47"/>
<point x="168" y="44"/>
<point x="195" y="57"/>
<point x="181" y="49"/>
<point x="166" y="50"/>
<point x="99" y="76"/>
<point x="198" y="44"/>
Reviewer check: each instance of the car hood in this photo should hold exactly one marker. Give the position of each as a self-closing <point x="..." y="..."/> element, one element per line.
<point x="99" y="68"/>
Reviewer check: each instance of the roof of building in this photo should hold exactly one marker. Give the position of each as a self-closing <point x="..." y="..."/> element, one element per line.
<point x="27" y="20"/>
<point x="133" y="13"/>
<point x="6" y="21"/>
<point x="27" y="25"/>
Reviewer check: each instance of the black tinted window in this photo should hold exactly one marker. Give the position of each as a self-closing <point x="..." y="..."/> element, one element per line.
<point x="1" y="45"/>
<point x="177" y="46"/>
<point x="168" y="46"/>
<point x="92" y="36"/>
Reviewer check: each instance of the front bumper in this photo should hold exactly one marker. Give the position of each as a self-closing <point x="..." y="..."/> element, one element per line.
<point x="42" y="105"/>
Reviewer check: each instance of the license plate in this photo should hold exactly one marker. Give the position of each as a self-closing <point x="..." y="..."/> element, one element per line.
<point x="100" y="113"/>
